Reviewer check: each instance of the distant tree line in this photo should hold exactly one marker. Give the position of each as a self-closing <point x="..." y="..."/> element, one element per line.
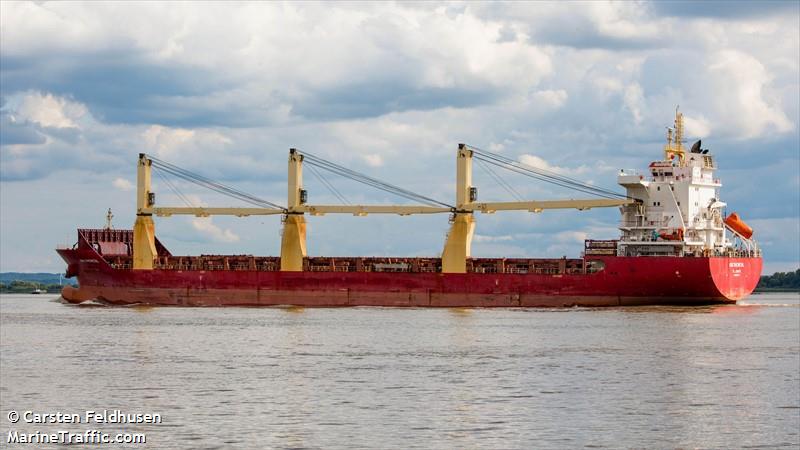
<point x="25" y="283"/>
<point x="27" y="287"/>
<point x="785" y="281"/>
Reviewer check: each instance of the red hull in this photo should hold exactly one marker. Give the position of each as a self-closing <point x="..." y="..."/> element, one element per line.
<point x="646" y="280"/>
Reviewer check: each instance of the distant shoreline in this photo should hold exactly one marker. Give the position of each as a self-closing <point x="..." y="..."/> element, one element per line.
<point x="27" y="283"/>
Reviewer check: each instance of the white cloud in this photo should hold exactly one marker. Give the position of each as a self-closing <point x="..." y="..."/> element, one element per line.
<point x="373" y="160"/>
<point x="571" y="236"/>
<point x="540" y="163"/>
<point x="123" y="185"/>
<point x="607" y="84"/>
<point x="740" y="80"/>
<point x="481" y="238"/>
<point x="496" y="147"/>
<point x="535" y="161"/>
<point x="205" y="226"/>
<point x="164" y="141"/>
<point x="174" y="143"/>
<point x="634" y="98"/>
<point x="195" y="200"/>
<point x="50" y="111"/>
<point x="697" y="126"/>
<point x="552" y="98"/>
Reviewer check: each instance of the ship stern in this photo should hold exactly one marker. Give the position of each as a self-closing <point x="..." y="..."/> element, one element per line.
<point x="735" y="278"/>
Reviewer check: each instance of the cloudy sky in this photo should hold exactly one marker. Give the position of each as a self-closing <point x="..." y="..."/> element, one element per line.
<point x="389" y="89"/>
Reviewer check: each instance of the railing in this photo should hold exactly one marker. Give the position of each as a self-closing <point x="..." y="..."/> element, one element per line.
<point x="742" y="253"/>
<point x="354" y="264"/>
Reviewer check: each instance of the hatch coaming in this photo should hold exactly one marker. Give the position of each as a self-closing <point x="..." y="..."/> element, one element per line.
<point x="540" y="266"/>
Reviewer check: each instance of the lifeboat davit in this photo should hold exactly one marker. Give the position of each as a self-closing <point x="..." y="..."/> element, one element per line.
<point x="735" y="223"/>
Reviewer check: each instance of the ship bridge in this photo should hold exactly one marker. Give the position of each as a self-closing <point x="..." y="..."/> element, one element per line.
<point x="681" y="212"/>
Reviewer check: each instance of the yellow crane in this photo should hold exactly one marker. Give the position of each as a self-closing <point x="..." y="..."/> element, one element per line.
<point x="458" y="245"/>
<point x="293" y="245"/>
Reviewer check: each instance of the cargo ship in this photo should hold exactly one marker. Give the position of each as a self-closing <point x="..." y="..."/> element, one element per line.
<point x="676" y="246"/>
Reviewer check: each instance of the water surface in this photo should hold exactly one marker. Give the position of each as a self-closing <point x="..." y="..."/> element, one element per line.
<point x="719" y="377"/>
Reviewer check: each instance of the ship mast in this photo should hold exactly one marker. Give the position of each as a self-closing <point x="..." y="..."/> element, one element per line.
<point x="293" y="241"/>
<point x="144" y="230"/>
<point x="674" y="147"/>
<point x="458" y="244"/>
<point x="109" y="216"/>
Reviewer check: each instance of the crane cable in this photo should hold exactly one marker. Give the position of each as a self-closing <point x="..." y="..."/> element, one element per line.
<point x="211" y="184"/>
<point x="545" y="179"/>
<point x="503" y="183"/>
<point x="174" y="189"/>
<point x="543" y="174"/>
<point x="325" y="182"/>
<point x="329" y="166"/>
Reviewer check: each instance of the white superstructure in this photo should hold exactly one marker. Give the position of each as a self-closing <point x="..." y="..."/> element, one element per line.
<point x="680" y="212"/>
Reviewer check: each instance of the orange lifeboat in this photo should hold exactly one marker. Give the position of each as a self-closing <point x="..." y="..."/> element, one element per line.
<point x="735" y="223"/>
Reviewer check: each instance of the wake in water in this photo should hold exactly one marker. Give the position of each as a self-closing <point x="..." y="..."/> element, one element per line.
<point x="784" y="305"/>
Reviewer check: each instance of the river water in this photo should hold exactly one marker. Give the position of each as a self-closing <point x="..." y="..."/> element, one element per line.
<point x="656" y="377"/>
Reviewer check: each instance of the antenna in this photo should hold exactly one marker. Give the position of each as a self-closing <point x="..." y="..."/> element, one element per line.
<point x="109" y="216"/>
<point x="678" y="130"/>
<point x="674" y="147"/>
